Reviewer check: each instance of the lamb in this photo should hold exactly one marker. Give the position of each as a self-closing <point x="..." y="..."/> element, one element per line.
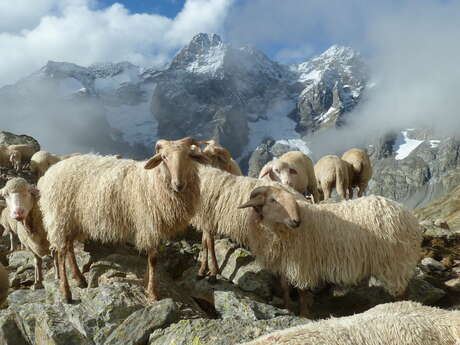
<point x="220" y="157"/>
<point x="217" y="214"/>
<point x="362" y="170"/>
<point x="294" y="169"/>
<point x="22" y="216"/>
<point x="400" y="323"/>
<point x="120" y="200"/>
<point x="341" y="243"/>
<point x="4" y="284"/>
<point x="41" y="161"/>
<point x="330" y="172"/>
<point x="21" y="154"/>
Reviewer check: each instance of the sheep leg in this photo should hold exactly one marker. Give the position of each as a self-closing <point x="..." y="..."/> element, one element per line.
<point x="306" y="301"/>
<point x="76" y="273"/>
<point x="64" y="283"/>
<point x="361" y="189"/>
<point x="286" y="289"/>
<point x="327" y="188"/>
<point x="56" y="265"/>
<point x="204" y="256"/>
<point x="214" y="267"/>
<point x="38" y="273"/>
<point x="12" y="242"/>
<point x="152" y="294"/>
<point x="350" y="193"/>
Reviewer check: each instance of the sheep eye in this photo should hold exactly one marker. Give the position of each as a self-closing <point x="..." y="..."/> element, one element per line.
<point x="293" y="171"/>
<point x="272" y="200"/>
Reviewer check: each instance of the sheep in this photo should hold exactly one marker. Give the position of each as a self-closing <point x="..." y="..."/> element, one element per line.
<point x="22" y="216"/>
<point x="4" y="284"/>
<point x="21" y="154"/>
<point x="220" y="192"/>
<point x="294" y="169"/>
<point x="400" y="323"/>
<point x="220" y="157"/>
<point x="41" y="161"/>
<point x="70" y="155"/>
<point x="8" y="225"/>
<point x="330" y="172"/>
<point x="120" y="200"/>
<point x="341" y="243"/>
<point x="4" y="157"/>
<point x="362" y="170"/>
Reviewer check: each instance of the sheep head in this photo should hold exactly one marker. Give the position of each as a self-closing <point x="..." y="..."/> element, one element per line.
<point x="177" y="156"/>
<point x="274" y="205"/>
<point x="280" y="171"/>
<point x="20" y="197"/>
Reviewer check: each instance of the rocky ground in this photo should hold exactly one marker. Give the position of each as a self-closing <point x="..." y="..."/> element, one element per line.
<point x="244" y="304"/>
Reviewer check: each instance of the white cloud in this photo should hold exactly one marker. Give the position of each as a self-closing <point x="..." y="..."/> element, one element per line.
<point x="75" y="31"/>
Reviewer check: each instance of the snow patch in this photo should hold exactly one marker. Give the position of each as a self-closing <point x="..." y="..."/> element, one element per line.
<point x="434" y="143"/>
<point x="136" y="123"/>
<point x="403" y="146"/>
<point x="210" y="62"/>
<point x="325" y="117"/>
<point x="106" y="85"/>
<point x="296" y="144"/>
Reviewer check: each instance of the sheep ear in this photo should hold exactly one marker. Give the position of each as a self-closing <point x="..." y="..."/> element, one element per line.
<point x="254" y="202"/>
<point x="199" y="157"/>
<point x="153" y="162"/>
<point x="267" y="169"/>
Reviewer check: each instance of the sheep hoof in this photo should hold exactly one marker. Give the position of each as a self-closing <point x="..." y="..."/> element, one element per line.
<point x="37" y="286"/>
<point x="212" y="280"/>
<point x="67" y="299"/>
<point x="200" y="277"/>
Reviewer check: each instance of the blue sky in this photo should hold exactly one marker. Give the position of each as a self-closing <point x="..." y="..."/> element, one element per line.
<point x="168" y="8"/>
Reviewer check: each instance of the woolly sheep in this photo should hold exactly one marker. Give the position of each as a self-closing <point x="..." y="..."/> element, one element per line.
<point x="362" y="170"/>
<point x="294" y="169"/>
<point x="22" y="154"/>
<point x="4" y="284"/>
<point x="41" y="161"/>
<point x="120" y="200"/>
<point x="221" y="192"/>
<point x="341" y="243"/>
<point x="22" y="216"/>
<point x="330" y="172"/>
<point x="220" y="158"/>
<point x="70" y="155"/>
<point x="400" y="323"/>
<point x="4" y="157"/>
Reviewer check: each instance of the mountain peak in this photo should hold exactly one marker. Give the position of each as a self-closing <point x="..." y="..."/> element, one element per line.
<point x="204" y="41"/>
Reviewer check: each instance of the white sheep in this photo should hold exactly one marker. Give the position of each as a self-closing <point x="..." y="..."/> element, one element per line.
<point x="22" y="216"/>
<point x="361" y="171"/>
<point x="220" y="157"/>
<point x="332" y="172"/>
<point x="21" y="154"/>
<point x="4" y="284"/>
<point x="294" y="169"/>
<point x="400" y="323"/>
<point x="220" y="192"/>
<point x="341" y="243"/>
<point x="121" y="200"/>
<point x="41" y="161"/>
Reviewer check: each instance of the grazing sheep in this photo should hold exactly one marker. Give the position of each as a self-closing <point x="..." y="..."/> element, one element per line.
<point x="221" y="192"/>
<point x="22" y="153"/>
<point x="341" y="243"/>
<point x="120" y="200"/>
<point x="41" y="161"/>
<point x="400" y="323"/>
<point x="4" y="284"/>
<point x="294" y="169"/>
<point x="16" y="159"/>
<point x="4" y="157"/>
<point x="220" y="157"/>
<point x="362" y="170"/>
<point x="330" y="172"/>
<point x="22" y="216"/>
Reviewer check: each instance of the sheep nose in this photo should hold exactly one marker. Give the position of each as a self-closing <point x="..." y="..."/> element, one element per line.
<point x="19" y="214"/>
<point x="294" y="223"/>
<point x="179" y="187"/>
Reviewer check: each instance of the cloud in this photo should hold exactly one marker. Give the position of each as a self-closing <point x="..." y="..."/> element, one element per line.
<point x="76" y="31"/>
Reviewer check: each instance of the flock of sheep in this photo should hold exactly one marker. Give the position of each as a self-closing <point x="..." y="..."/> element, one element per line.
<point x="307" y="243"/>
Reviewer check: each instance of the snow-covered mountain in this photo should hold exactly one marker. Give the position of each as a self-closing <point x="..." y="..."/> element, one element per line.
<point x="210" y="89"/>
